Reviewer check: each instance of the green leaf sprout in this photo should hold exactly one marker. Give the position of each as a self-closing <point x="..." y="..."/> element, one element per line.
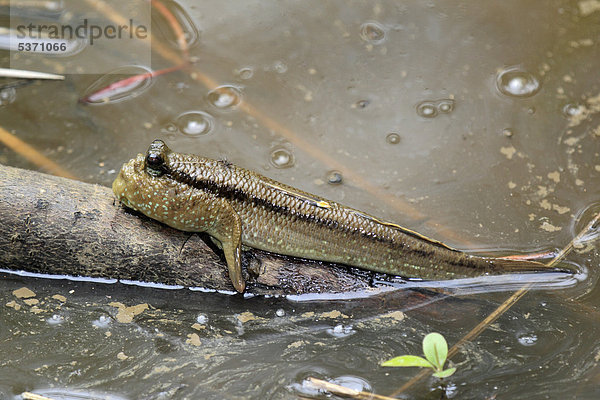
<point x="435" y="349"/>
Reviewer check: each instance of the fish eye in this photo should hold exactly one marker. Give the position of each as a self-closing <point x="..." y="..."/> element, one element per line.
<point x="155" y="158"/>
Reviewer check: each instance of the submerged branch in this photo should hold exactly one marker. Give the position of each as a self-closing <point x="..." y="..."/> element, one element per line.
<point x="58" y="226"/>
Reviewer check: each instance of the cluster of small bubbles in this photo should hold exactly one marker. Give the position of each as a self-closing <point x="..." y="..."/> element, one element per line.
<point x="531" y="110"/>
<point x="280" y="312"/>
<point x="361" y="104"/>
<point x="225" y="96"/>
<point x="334" y="177"/>
<point x="392" y="138"/>
<point x="571" y="110"/>
<point x="56" y="319"/>
<point x="431" y="108"/>
<point x="245" y="73"/>
<point x="516" y="82"/>
<point x="7" y="96"/>
<point x="372" y="32"/>
<point x="507" y="132"/>
<point x="353" y="382"/>
<point x="201" y="319"/>
<point x="102" y="322"/>
<point x="341" y="331"/>
<point x="194" y="123"/>
<point x="529" y="339"/>
<point x="282" y="158"/>
<point x="427" y="109"/>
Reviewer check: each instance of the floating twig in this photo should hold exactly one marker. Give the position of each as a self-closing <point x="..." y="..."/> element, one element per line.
<point x="23" y="74"/>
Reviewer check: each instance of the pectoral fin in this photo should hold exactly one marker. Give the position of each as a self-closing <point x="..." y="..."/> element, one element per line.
<point x="227" y="229"/>
<point x="233" y="256"/>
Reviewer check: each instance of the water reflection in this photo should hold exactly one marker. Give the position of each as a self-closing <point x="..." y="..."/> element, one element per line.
<point x="117" y="85"/>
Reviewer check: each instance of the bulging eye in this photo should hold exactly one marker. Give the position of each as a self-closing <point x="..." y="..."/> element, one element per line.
<point x="155" y="158"/>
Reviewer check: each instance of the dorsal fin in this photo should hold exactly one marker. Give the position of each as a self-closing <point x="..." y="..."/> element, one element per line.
<point x="405" y="230"/>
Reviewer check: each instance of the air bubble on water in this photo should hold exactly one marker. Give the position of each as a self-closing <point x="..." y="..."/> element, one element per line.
<point x="225" y="96"/>
<point x="7" y="96"/>
<point x="528" y="339"/>
<point x="427" y="109"/>
<point x="194" y="123"/>
<point x="282" y="158"/>
<point x="202" y="319"/>
<point x="361" y="104"/>
<point x="280" y="312"/>
<point x="341" y="331"/>
<point x="445" y="106"/>
<point x="372" y="32"/>
<point x="280" y="67"/>
<point x="507" y="132"/>
<point x="334" y="177"/>
<point x="572" y="110"/>
<point x="56" y="319"/>
<point x="170" y="128"/>
<point x="245" y="73"/>
<point x="392" y="138"/>
<point x="517" y="82"/>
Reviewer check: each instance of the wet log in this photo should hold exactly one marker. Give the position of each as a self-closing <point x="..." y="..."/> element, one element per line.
<point x="57" y="226"/>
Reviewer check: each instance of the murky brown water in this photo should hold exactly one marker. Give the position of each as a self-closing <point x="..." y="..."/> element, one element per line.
<point x="477" y="125"/>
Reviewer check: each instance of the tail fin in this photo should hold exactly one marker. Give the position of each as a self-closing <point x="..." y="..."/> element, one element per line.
<point x="507" y="265"/>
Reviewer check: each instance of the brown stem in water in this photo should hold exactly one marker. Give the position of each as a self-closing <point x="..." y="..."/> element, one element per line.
<point x="508" y="303"/>
<point x="31" y="154"/>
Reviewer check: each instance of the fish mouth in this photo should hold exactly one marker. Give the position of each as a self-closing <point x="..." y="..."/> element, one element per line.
<point x="122" y="182"/>
<point x="119" y="188"/>
<point x="119" y="184"/>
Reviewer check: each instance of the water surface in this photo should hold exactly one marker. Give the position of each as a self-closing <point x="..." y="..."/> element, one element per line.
<point x="476" y="125"/>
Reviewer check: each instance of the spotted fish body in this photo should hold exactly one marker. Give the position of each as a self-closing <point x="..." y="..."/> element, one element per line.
<point x="240" y="207"/>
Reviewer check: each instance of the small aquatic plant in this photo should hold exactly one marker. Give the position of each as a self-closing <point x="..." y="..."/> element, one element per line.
<point x="435" y="349"/>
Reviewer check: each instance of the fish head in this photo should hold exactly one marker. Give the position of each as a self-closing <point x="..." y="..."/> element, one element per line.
<point x="145" y="185"/>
